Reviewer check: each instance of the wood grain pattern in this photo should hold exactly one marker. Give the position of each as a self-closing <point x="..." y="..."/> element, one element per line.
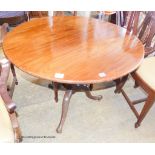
<point x="78" y="47"/>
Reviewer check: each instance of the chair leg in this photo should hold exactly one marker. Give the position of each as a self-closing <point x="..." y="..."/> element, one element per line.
<point x="120" y="83"/>
<point x="55" y="89"/>
<point x="148" y="104"/>
<point x="16" y="128"/>
<point x="11" y="89"/>
<point x="14" y="74"/>
<point x="18" y="135"/>
<point x="130" y="103"/>
<point x="136" y="85"/>
<point x="91" y="86"/>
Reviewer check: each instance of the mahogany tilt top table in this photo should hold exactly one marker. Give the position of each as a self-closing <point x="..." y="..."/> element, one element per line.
<point x="73" y="50"/>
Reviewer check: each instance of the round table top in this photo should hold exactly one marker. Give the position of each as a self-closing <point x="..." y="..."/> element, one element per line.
<point x="71" y="49"/>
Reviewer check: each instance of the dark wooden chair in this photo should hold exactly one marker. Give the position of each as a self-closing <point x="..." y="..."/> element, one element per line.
<point x="10" y="19"/>
<point x="144" y="75"/>
<point x="131" y="21"/>
<point x="128" y="20"/>
<point x="123" y="17"/>
<point x="3" y="31"/>
<point x="147" y="32"/>
<point x="9" y="127"/>
<point x="13" y="18"/>
<point x="143" y="31"/>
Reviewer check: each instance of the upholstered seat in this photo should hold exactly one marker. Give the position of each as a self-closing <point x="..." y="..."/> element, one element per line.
<point x="6" y="130"/>
<point x="147" y="72"/>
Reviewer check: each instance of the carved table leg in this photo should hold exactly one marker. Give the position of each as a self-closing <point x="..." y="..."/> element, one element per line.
<point x="70" y="90"/>
<point x="89" y="95"/>
<point x="65" y="106"/>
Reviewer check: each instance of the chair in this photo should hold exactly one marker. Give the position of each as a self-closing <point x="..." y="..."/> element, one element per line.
<point x="10" y="19"/>
<point x="13" y="18"/>
<point x="128" y="20"/>
<point x="144" y="75"/>
<point x="147" y="32"/>
<point x="132" y="22"/>
<point x="143" y="31"/>
<point x="9" y="127"/>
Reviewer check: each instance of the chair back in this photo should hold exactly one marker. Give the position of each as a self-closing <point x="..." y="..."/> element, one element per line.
<point x="147" y="33"/>
<point x="144" y="30"/>
<point x="129" y="20"/>
<point x="132" y="25"/>
<point x="13" y="18"/>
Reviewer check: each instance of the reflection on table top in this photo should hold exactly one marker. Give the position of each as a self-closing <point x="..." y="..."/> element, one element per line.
<point x="73" y="49"/>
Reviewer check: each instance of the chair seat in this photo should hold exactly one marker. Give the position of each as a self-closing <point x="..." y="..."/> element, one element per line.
<point x="146" y="72"/>
<point x="6" y="130"/>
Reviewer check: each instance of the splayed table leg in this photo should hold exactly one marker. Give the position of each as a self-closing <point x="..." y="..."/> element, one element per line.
<point x="65" y="105"/>
<point x="89" y="95"/>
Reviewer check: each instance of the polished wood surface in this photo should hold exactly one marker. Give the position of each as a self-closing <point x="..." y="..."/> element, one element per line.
<point x="80" y="48"/>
